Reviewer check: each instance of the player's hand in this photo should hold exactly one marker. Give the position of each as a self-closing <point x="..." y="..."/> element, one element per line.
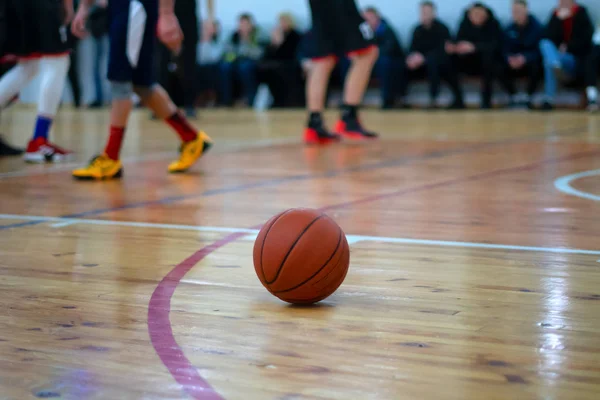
<point x="78" y="25"/>
<point x="169" y="31"/>
<point x="69" y="14"/>
<point x="465" y="47"/>
<point x="450" y="47"/>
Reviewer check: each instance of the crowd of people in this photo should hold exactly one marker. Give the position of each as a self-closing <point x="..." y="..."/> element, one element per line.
<point x="563" y="50"/>
<point x="229" y="70"/>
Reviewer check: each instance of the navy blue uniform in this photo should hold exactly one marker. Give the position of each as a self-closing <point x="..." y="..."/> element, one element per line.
<point x="119" y="67"/>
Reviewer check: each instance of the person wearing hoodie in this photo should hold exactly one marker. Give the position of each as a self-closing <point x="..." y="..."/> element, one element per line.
<point x="567" y="43"/>
<point x="478" y="47"/>
<point x="389" y="67"/>
<point x="427" y="55"/>
<point x="240" y="61"/>
<point x="521" y="51"/>
<point x="592" y="71"/>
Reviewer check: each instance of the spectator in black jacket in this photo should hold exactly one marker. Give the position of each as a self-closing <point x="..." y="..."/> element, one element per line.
<point x="428" y="58"/>
<point x="567" y="42"/>
<point x="478" y="47"/>
<point x="278" y="67"/>
<point x="389" y="67"/>
<point x="521" y="51"/>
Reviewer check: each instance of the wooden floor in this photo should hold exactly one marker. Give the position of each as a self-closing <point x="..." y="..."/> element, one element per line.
<point x="475" y="269"/>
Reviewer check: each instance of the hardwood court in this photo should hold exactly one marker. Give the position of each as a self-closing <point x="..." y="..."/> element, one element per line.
<point x="472" y="275"/>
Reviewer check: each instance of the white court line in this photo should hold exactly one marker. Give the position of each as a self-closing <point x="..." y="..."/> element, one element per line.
<point x="563" y="184"/>
<point x="253" y="232"/>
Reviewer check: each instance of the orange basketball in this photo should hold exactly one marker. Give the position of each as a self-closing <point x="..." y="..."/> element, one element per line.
<point x="301" y="256"/>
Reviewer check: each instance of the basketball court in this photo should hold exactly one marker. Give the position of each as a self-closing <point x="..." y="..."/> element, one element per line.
<point x="474" y="273"/>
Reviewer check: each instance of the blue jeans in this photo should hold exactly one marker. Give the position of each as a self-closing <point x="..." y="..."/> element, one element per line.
<point x="554" y="59"/>
<point x="390" y="72"/>
<point x="99" y="51"/>
<point x="243" y="71"/>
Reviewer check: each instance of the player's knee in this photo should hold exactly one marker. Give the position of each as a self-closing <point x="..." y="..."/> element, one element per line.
<point x="325" y="62"/>
<point x="30" y="68"/>
<point x="144" y="92"/>
<point x="121" y="90"/>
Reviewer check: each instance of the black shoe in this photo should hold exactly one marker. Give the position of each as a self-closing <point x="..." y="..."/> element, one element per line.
<point x="530" y="105"/>
<point x="7" y="150"/>
<point x="547" y="106"/>
<point x="319" y="135"/>
<point x="352" y="129"/>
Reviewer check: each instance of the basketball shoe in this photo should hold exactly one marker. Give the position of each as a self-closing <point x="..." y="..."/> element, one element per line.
<point x="40" y="150"/>
<point x="190" y="152"/>
<point x="100" y="167"/>
<point x="319" y="135"/>
<point x="352" y="129"/>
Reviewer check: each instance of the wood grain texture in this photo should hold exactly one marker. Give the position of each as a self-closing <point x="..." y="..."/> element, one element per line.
<point x="411" y="321"/>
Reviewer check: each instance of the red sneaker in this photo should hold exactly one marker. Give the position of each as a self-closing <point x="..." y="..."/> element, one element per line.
<point x="353" y="130"/>
<point x="319" y="136"/>
<point x="40" y="150"/>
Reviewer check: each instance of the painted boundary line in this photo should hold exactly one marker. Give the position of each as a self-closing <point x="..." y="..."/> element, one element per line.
<point x="563" y="184"/>
<point x="250" y="234"/>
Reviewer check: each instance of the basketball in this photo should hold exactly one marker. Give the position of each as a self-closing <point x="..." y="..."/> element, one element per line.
<point x="301" y="256"/>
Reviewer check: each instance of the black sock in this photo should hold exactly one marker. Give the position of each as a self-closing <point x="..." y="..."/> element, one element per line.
<point x="315" y="120"/>
<point x="349" y="112"/>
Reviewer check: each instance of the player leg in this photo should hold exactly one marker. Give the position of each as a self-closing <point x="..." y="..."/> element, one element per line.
<point x="108" y="165"/>
<point x="323" y="61"/>
<point x="358" y="42"/>
<point x="194" y="143"/>
<point x="53" y="73"/>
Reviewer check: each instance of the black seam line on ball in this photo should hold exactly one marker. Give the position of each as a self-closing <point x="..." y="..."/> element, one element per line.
<point x="320" y="269"/>
<point x="262" y="246"/>
<point x="292" y="248"/>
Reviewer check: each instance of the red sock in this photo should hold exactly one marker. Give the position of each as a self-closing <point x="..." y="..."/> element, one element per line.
<point x="186" y="132"/>
<point x="113" y="147"/>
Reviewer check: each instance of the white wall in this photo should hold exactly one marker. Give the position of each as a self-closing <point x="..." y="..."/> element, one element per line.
<point x="402" y="14"/>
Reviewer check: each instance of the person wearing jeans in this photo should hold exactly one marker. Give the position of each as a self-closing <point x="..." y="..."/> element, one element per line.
<point x="566" y="44"/>
<point x="241" y="62"/>
<point x="99" y="29"/>
<point x="389" y="67"/>
<point x="521" y="52"/>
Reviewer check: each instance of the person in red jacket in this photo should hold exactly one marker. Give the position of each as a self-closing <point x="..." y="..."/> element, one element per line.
<point x="566" y="44"/>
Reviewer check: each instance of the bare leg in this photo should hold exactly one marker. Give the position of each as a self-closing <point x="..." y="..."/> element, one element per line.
<point x="358" y="76"/>
<point x="317" y="82"/>
<point x="160" y="103"/>
<point x="119" y="112"/>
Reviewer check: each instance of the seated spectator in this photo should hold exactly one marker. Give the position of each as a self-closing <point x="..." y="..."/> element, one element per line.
<point x="428" y="58"/>
<point x="240" y="61"/>
<point x="521" y="51"/>
<point x="210" y="53"/>
<point x="279" y="68"/>
<point x="593" y="69"/>
<point x="389" y="68"/>
<point x="566" y="44"/>
<point x="478" y="47"/>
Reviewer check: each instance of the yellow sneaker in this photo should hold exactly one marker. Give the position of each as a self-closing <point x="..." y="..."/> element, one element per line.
<point x="101" y="167"/>
<point x="190" y="152"/>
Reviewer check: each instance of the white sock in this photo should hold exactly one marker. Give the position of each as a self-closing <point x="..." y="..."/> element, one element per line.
<point x="592" y="94"/>
<point x="16" y="79"/>
<point x="53" y="74"/>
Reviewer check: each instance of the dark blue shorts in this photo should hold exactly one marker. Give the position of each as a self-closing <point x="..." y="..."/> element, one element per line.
<point x="119" y="67"/>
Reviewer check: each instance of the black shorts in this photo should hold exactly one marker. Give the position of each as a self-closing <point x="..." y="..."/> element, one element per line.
<point x="32" y="29"/>
<point x="339" y="29"/>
